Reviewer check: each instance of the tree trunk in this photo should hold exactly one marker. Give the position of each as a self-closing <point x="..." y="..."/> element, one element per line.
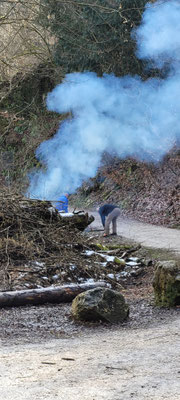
<point x="59" y="294"/>
<point x="78" y="220"/>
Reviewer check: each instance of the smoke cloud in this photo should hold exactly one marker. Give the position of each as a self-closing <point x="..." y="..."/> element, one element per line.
<point x="126" y="116"/>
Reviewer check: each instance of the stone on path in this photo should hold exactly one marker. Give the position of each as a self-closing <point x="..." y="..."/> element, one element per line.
<point x="100" y="304"/>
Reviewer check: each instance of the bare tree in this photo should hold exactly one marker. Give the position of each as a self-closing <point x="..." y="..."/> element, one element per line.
<point x="94" y="35"/>
<point x="23" y="42"/>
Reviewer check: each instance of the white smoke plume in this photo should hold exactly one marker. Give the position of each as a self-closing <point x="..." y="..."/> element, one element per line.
<point x="126" y="116"/>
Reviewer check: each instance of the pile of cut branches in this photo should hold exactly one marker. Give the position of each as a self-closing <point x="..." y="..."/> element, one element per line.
<point x="39" y="248"/>
<point x="32" y="229"/>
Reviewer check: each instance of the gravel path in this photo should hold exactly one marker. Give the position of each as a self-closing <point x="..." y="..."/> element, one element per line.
<point x="146" y="234"/>
<point x="117" y="365"/>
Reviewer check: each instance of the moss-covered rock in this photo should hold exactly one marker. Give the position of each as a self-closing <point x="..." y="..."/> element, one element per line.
<point x="100" y="304"/>
<point x="166" y="283"/>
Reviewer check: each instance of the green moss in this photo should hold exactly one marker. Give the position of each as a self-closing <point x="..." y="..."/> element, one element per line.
<point x="119" y="261"/>
<point x="99" y="246"/>
<point x="120" y="246"/>
<point x="166" y="284"/>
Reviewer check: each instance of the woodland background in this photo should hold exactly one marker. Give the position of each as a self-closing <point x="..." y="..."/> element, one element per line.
<point x="41" y="41"/>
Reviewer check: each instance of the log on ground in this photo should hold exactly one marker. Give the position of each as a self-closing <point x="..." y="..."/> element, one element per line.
<point x="79" y="220"/>
<point x="58" y="294"/>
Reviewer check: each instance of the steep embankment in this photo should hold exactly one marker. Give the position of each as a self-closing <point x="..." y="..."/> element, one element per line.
<point x="145" y="191"/>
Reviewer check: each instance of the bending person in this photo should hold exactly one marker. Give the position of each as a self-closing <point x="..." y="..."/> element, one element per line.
<point x="109" y="213"/>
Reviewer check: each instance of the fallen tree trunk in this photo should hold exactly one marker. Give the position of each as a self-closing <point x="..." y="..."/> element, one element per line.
<point x="59" y="294"/>
<point x="79" y="220"/>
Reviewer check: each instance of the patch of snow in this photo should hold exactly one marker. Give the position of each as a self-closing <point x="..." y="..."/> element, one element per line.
<point x="72" y="267"/>
<point x="132" y="263"/>
<point x="107" y="258"/>
<point x="67" y="215"/>
<point x="123" y="274"/>
<point x="112" y="276"/>
<point x="55" y="277"/>
<point x="135" y="259"/>
<point x="89" y="253"/>
<point x="40" y="264"/>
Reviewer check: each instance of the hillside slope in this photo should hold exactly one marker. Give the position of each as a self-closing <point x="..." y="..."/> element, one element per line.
<point x="145" y="191"/>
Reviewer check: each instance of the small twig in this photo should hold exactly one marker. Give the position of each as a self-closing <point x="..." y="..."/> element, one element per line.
<point x="49" y="363"/>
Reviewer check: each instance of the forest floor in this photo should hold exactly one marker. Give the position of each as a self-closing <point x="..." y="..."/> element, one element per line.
<point x="46" y="355"/>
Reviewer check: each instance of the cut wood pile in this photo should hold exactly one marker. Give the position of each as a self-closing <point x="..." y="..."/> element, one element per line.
<point x="39" y="248"/>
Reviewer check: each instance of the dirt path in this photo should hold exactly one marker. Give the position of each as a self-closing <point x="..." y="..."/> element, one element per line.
<point x="117" y="365"/>
<point x="146" y="234"/>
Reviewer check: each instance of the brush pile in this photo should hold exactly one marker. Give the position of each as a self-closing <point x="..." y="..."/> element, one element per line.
<point x="33" y="234"/>
<point x="31" y="229"/>
<point x="40" y="248"/>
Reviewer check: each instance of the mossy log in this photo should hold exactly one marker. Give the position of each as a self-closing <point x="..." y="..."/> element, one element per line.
<point x="59" y="294"/>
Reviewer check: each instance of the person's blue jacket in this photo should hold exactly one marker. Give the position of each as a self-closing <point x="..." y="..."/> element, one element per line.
<point x="62" y="206"/>
<point x="105" y="210"/>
